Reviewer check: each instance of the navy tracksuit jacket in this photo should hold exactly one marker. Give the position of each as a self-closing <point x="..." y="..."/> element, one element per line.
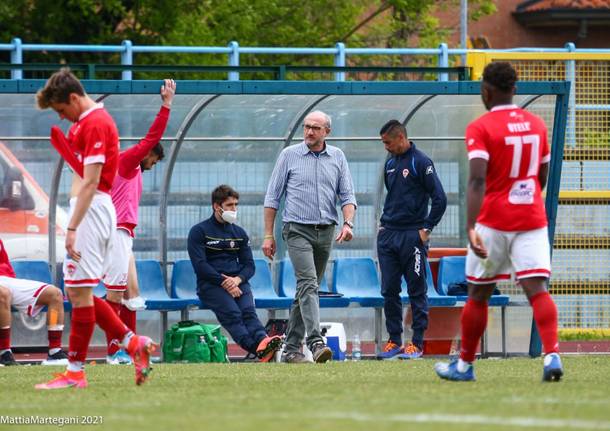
<point x="411" y="181"/>
<point x="222" y="248"/>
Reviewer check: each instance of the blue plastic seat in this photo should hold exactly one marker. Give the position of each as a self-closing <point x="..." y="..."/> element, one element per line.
<point x="288" y="286"/>
<point x="356" y="278"/>
<point x="262" y="288"/>
<point x="184" y="282"/>
<point x="37" y="270"/>
<point x="152" y="287"/>
<point x="452" y="269"/>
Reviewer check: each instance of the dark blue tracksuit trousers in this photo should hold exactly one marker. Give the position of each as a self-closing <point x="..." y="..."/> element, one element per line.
<point x="237" y="315"/>
<point x="401" y="253"/>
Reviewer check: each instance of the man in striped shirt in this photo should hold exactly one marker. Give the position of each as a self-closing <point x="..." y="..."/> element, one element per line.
<point x="313" y="176"/>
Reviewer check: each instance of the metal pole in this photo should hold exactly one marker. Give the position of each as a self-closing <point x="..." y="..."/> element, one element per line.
<point x="443" y="61"/>
<point x="463" y="28"/>
<point x="234" y="60"/>
<point x="571" y="77"/>
<point x="127" y="60"/>
<point x="340" y="60"/>
<point x="17" y="58"/>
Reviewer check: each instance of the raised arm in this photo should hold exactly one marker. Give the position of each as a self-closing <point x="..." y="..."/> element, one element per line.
<point x="131" y="158"/>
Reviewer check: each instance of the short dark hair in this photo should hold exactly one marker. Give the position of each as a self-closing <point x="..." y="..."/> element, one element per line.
<point x="501" y="75"/>
<point x="58" y="88"/>
<point x="222" y="193"/>
<point x="392" y="127"/>
<point x="158" y="151"/>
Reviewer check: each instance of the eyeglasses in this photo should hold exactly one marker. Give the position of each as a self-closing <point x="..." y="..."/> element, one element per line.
<point x="314" y="128"/>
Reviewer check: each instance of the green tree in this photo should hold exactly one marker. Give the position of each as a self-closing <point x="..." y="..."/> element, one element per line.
<point x="293" y="23"/>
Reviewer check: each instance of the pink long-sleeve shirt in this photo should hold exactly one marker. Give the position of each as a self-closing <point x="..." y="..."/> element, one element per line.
<point x="127" y="187"/>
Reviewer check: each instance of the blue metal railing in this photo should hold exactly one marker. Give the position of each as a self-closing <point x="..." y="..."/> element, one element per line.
<point x="340" y="52"/>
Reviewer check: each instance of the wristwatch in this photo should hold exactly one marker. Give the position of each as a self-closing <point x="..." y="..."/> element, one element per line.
<point x="349" y="223"/>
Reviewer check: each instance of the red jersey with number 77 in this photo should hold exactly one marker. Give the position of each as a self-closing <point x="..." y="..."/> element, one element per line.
<point x="514" y="143"/>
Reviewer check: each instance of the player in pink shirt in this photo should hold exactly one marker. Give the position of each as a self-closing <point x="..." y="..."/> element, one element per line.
<point x="29" y="296"/>
<point x="506" y="221"/>
<point x="92" y="150"/>
<point x="121" y="280"/>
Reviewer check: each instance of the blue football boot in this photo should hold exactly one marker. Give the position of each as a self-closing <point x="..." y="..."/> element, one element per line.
<point x="553" y="370"/>
<point x="449" y="371"/>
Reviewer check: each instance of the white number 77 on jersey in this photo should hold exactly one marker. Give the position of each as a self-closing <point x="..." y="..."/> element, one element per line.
<point x="518" y="142"/>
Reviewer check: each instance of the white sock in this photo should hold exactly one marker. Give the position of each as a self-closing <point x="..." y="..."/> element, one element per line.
<point x="54" y="350"/>
<point x="75" y="366"/>
<point x="126" y="338"/>
<point x="463" y="366"/>
<point x="3" y="351"/>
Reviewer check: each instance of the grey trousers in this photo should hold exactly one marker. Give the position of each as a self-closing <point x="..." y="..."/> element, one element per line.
<point x="309" y="249"/>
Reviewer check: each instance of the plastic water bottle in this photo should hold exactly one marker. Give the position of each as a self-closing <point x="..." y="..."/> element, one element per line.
<point x="356" y="349"/>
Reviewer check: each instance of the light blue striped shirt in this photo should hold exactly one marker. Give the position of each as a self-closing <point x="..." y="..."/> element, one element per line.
<point x="312" y="184"/>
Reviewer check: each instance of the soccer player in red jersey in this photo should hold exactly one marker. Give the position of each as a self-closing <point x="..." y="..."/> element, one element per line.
<point x="92" y="150"/>
<point x="29" y="296"/>
<point x="121" y="279"/>
<point x="506" y="221"/>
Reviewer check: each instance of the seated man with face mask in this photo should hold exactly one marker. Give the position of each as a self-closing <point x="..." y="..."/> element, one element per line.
<point x="222" y="259"/>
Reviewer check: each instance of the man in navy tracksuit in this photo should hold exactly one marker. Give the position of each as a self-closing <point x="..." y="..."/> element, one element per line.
<point x="222" y="259"/>
<point x="402" y="242"/>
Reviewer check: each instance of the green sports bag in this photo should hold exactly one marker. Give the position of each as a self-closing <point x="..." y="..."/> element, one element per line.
<point x="192" y="342"/>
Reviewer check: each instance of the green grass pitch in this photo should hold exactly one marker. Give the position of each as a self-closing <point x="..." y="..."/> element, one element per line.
<point x="366" y="395"/>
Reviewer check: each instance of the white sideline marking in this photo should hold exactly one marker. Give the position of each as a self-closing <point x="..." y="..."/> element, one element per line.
<point x="550" y="400"/>
<point x="527" y="422"/>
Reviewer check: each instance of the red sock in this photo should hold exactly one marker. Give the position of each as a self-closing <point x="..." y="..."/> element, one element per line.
<point x="83" y="323"/>
<point x="545" y="315"/>
<point x="108" y="320"/>
<point x="54" y="338"/>
<point x="5" y="338"/>
<point x="474" y="322"/>
<point x="112" y="343"/>
<point x="128" y="317"/>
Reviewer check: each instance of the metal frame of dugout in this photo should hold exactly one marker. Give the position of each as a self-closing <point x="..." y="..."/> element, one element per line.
<point x="213" y="89"/>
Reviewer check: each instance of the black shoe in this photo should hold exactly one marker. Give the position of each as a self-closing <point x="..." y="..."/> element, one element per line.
<point x="57" y="358"/>
<point x="321" y="353"/>
<point x="7" y="359"/>
<point x="294" y="358"/>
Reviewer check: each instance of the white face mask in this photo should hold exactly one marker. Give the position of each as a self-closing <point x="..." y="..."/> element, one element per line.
<point x="229" y="216"/>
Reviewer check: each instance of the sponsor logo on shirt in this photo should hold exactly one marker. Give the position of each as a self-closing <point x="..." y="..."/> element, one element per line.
<point x="522" y="192"/>
<point x="213" y="242"/>
<point x="97" y="144"/>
